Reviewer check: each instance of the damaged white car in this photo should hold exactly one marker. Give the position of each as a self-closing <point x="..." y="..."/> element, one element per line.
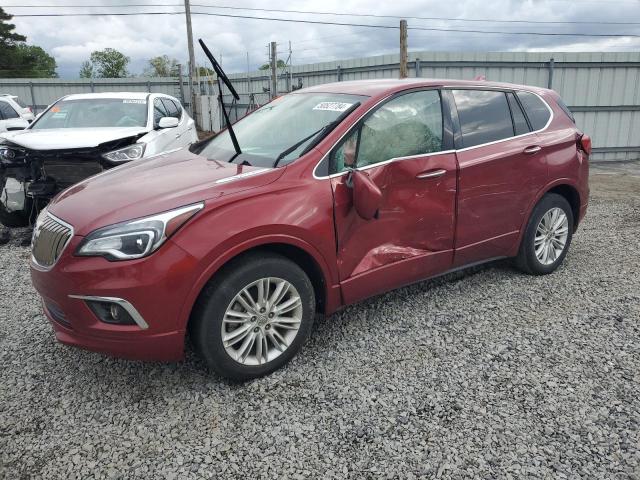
<point x="79" y="136"/>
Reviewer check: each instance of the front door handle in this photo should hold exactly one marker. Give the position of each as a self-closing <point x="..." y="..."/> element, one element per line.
<point x="431" y="174"/>
<point x="532" y="149"/>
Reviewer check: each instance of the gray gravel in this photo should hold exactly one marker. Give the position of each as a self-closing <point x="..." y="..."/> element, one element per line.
<point x="485" y="374"/>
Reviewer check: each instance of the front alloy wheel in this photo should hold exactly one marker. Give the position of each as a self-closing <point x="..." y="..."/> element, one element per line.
<point x="262" y="321"/>
<point x="253" y="316"/>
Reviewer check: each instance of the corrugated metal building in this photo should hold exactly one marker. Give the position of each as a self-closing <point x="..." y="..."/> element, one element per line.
<point x="602" y="89"/>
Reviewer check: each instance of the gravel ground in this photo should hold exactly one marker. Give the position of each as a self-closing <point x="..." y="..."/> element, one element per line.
<point x="484" y="374"/>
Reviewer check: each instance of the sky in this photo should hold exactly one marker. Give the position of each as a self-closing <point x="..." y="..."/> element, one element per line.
<point x="72" y="39"/>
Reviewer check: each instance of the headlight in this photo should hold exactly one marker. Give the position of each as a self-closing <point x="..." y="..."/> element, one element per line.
<point x="9" y="155"/>
<point x="126" y="154"/>
<point x="136" y="238"/>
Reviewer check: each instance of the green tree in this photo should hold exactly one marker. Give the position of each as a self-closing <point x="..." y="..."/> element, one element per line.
<point x="279" y="64"/>
<point x="8" y="37"/>
<point x="86" y="71"/>
<point x="36" y="63"/>
<point x="17" y="59"/>
<point x="205" y="71"/>
<point x="162" y="66"/>
<point x="107" y="63"/>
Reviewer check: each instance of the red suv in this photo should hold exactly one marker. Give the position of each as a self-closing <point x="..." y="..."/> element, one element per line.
<point x="322" y="198"/>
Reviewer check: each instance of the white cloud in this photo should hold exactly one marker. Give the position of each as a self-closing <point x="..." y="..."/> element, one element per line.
<point x="72" y="39"/>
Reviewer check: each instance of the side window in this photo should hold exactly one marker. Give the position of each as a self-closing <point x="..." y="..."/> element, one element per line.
<point x="345" y="156"/>
<point x="520" y="125"/>
<point x="158" y="111"/>
<point x="484" y="116"/>
<point x="410" y="124"/>
<point x="178" y="109"/>
<point x="7" y="111"/>
<point x="536" y="110"/>
<point x="170" y="108"/>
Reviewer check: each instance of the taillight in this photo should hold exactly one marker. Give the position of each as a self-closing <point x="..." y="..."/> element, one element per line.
<point x="584" y="143"/>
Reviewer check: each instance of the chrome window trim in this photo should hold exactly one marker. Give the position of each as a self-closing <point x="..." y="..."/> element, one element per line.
<point x="34" y="262"/>
<point x="441" y="87"/>
<point x="395" y="159"/>
<point x="131" y="310"/>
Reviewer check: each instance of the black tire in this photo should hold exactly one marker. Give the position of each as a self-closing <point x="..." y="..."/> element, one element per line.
<point x="527" y="260"/>
<point x="16" y="219"/>
<point x="206" y="322"/>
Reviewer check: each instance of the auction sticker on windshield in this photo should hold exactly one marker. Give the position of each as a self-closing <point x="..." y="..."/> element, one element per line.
<point x="333" y="106"/>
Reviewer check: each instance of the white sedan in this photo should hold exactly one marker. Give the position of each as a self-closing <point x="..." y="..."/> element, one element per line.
<point x="79" y="136"/>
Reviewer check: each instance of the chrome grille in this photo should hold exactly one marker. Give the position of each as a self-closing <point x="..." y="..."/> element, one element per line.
<point x="50" y="236"/>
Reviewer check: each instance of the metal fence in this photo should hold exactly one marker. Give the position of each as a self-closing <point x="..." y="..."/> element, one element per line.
<point x="602" y="89"/>
<point x="41" y="92"/>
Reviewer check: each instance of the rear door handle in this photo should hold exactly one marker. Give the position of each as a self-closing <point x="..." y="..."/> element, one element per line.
<point x="532" y="149"/>
<point x="431" y="174"/>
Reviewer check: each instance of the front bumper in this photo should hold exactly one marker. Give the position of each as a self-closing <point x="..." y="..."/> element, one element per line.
<point x="156" y="286"/>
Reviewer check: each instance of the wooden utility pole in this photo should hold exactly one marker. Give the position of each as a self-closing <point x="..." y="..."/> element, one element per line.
<point x="403" y="50"/>
<point x="192" y="59"/>
<point x="274" y="70"/>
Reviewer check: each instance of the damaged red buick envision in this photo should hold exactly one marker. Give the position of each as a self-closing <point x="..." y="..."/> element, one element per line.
<point x="319" y="199"/>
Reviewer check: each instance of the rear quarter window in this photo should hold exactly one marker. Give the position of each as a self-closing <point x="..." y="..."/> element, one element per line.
<point x="535" y="108"/>
<point x="565" y="109"/>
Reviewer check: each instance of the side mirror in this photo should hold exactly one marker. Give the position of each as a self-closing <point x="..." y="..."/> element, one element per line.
<point x="367" y="197"/>
<point x="16" y="124"/>
<point x="168" y="122"/>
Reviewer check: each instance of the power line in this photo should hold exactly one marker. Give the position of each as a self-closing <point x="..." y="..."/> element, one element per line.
<point x="344" y="24"/>
<point x="344" y="14"/>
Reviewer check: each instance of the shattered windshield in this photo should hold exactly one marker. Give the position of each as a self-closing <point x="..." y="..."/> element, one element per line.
<point x="271" y="130"/>
<point x="94" y="113"/>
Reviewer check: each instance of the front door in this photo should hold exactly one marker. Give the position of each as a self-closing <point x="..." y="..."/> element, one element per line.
<point x="400" y="145"/>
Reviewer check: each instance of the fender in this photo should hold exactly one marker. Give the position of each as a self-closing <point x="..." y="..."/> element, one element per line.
<point x="558" y="181"/>
<point x="332" y="295"/>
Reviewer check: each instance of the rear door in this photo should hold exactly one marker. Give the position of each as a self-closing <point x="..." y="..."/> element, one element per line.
<point x="502" y="167"/>
<point x="405" y="149"/>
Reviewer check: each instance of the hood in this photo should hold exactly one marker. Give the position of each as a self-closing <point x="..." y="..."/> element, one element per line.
<point x="153" y="185"/>
<point x="67" y="138"/>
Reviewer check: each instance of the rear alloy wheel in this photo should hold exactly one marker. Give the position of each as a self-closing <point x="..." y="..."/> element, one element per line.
<point x="254" y="316"/>
<point x="551" y="236"/>
<point x="548" y="235"/>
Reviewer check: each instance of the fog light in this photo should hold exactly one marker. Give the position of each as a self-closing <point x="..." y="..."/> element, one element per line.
<point x="109" y="312"/>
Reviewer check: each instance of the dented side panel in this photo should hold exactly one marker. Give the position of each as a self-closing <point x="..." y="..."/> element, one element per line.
<point x="416" y="220"/>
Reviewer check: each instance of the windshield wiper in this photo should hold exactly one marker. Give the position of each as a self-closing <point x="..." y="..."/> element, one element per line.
<point x="321" y="133"/>
<point x="221" y="75"/>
